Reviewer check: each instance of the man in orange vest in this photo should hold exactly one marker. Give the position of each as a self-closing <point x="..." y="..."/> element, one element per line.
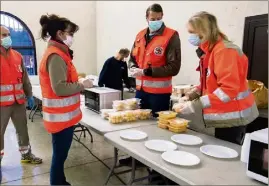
<point x="14" y="86"/>
<point x="155" y="59"/>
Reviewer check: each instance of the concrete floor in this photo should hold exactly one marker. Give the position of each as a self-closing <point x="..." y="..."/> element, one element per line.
<point x="81" y="168"/>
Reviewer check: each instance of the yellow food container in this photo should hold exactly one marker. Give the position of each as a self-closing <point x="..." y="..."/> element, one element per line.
<point x="178" y="123"/>
<point x="162" y="126"/>
<point x="177" y="130"/>
<point x="164" y="121"/>
<point x="167" y="115"/>
<point x="160" y="123"/>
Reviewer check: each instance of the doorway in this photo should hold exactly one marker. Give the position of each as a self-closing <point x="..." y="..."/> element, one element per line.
<point x="255" y="46"/>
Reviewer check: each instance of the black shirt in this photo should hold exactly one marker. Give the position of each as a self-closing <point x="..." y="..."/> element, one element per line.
<point x="113" y="74"/>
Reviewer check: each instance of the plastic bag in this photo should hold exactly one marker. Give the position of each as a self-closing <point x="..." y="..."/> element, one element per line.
<point x="260" y="93"/>
<point x="119" y="105"/>
<point x="129" y="116"/>
<point x="145" y="114"/>
<point x="132" y="104"/>
<point x="142" y="114"/>
<point x="116" y="117"/>
<point x="105" y="113"/>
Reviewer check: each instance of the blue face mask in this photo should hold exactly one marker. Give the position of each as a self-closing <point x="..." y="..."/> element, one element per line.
<point x="6" y="42"/>
<point x="155" y="25"/>
<point x="194" y="40"/>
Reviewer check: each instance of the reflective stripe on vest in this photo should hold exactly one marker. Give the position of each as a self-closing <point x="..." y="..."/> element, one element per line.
<point x="230" y="115"/>
<point x="138" y="82"/>
<point x="6" y="88"/>
<point x="65" y="117"/>
<point x="154" y="84"/>
<point x="205" y="101"/>
<point x="7" y="98"/>
<point x="20" y="96"/>
<point x="218" y="92"/>
<point x="157" y="84"/>
<point x="243" y="95"/>
<point x="57" y="103"/>
<point x="19" y="86"/>
<point x="222" y="95"/>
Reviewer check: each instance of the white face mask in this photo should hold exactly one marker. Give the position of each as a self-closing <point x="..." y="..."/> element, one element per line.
<point x="68" y="41"/>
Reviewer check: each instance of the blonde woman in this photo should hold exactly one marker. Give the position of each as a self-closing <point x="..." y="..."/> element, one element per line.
<point x="222" y="104"/>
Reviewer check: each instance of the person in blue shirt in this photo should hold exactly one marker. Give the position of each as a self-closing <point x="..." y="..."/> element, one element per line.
<point x="115" y="71"/>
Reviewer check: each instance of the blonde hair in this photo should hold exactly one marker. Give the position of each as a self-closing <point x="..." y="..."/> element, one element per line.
<point x="205" y="24"/>
<point x="124" y="51"/>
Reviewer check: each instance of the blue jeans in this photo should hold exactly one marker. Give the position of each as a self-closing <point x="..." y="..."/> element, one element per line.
<point x="61" y="143"/>
<point x="155" y="102"/>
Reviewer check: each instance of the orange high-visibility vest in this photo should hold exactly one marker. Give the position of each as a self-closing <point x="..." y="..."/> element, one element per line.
<point x="11" y="74"/>
<point x="226" y="97"/>
<point x="58" y="112"/>
<point x="152" y="55"/>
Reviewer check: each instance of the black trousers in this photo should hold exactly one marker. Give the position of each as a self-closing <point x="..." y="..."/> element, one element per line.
<point x="233" y="134"/>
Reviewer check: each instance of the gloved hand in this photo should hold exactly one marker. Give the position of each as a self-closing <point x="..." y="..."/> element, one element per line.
<point x="183" y="99"/>
<point x="87" y="83"/>
<point x="177" y="107"/>
<point x="136" y="72"/>
<point x="184" y="108"/>
<point x="31" y="102"/>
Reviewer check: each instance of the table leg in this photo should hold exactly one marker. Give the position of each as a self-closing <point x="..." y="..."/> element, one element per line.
<point x="31" y="112"/>
<point x="40" y="107"/>
<point x="111" y="172"/>
<point x="83" y="130"/>
<point x="33" y="108"/>
<point x="32" y="119"/>
<point x="132" y="173"/>
<point x="86" y="129"/>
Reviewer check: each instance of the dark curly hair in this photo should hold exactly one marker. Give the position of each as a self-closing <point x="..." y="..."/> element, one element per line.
<point x="52" y="23"/>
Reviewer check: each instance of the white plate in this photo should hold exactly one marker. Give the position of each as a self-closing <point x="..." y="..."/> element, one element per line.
<point x="133" y="135"/>
<point x="160" y="145"/>
<point x="218" y="151"/>
<point x="180" y="158"/>
<point x="186" y="139"/>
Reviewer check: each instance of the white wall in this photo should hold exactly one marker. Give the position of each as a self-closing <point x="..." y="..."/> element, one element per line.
<point x="118" y="22"/>
<point x="107" y="26"/>
<point x="81" y="12"/>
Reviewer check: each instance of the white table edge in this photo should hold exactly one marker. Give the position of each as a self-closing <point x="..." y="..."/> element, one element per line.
<point x="109" y="131"/>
